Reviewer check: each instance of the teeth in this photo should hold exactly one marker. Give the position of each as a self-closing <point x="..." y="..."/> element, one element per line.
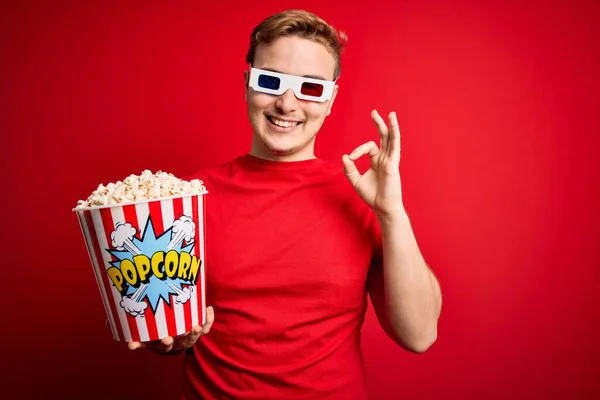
<point x="283" y="124"/>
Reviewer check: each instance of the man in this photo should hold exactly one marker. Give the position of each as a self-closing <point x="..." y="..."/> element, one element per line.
<point x="295" y="247"/>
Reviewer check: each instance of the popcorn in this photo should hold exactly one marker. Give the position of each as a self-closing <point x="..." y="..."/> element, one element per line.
<point x="143" y="187"/>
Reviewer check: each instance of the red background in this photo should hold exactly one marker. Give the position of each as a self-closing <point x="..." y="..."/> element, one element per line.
<point x="499" y="113"/>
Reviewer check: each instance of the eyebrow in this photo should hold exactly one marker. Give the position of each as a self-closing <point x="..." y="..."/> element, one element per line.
<point x="304" y="76"/>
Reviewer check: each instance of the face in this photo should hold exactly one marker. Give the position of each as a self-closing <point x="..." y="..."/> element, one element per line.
<point x="284" y="127"/>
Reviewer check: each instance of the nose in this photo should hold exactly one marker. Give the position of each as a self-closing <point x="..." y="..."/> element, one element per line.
<point x="287" y="102"/>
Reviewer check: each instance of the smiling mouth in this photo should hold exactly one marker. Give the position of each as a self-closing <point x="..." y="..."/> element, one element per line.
<point x="281" y="123"/>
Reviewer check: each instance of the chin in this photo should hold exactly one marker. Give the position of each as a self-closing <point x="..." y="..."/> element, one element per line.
<point x="282" y="150"/>
<point x="279" y="144"/>
<point x="278" y="148"/>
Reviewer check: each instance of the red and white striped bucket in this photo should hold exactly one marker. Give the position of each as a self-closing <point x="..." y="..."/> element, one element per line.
<point x="148" y="259"/>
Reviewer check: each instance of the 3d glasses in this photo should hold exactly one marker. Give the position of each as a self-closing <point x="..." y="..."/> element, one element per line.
<point x="277" y="84"/>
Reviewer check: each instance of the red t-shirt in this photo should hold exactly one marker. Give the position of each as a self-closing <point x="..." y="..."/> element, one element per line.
<point x="288" y="249"/>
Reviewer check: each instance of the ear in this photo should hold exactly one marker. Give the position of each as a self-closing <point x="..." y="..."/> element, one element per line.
<point x="246" y="81"/>
<point x="335" y="90"/>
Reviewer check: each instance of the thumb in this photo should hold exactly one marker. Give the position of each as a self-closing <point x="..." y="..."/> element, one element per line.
<point x="350" y="170"/>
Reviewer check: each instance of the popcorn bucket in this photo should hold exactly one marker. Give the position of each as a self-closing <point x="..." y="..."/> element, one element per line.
<point x="148" y="259"/>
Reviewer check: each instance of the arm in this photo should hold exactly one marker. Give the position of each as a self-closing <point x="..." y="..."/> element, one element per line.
<point x="405" y="294"/>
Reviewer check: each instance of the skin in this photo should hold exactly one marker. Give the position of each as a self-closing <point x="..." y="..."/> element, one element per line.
<point x="293" y="56"/>
<point x="405" y="293"/>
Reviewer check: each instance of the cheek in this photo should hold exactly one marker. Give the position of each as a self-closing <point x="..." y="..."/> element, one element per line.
<point x="258" y="102"/>
<point x="316" y="111"/>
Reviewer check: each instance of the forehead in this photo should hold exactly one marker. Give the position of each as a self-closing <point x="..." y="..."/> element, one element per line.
<point x="295" y="56"/>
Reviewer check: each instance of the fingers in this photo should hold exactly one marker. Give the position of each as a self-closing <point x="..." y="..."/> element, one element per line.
<point x="192" y="337"/>
<point x="390" y="137"/>
<point x="166" y="344"/>
<point x="181" y="342"/>
<point x="198" y="331"/>
<point x="394" y="134"/>
<point x="210" y="318"/>
<point x="350" y="170"/>
<point x="135" y="345"/>
<point x="383" y="131"/>
<point x="369" y="148"/>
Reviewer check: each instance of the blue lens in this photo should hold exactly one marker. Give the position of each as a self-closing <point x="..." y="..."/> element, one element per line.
<point x="268" y="82"/>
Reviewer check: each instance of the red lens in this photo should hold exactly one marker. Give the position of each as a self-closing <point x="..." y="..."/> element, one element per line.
<point x="312" y="89"/>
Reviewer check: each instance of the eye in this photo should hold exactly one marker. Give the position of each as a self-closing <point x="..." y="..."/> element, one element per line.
<point x="312" y="89"/>
<point x="268" y="82"/>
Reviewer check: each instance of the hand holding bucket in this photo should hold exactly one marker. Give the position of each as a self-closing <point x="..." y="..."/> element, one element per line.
<point x="148" y="260"/>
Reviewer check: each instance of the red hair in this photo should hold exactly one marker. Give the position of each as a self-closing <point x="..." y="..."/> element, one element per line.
<point x="302" y="24"/>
